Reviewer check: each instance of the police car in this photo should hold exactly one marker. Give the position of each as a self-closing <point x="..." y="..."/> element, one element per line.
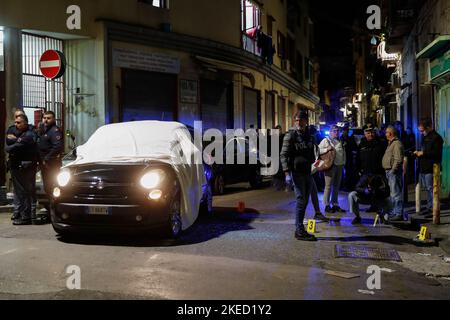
<point x="134" y="177"/>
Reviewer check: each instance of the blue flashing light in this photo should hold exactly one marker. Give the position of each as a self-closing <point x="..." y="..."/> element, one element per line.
<point x="327" y="132"/>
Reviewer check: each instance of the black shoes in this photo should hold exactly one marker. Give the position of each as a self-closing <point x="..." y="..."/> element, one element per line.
<point x="334" y="209"/>
<point x="321" y="217"/>
<point x="357" y="220"/>
<point x="338" y="209"/>
<point x="305" y="236"/>
<point x="20" y="222"/>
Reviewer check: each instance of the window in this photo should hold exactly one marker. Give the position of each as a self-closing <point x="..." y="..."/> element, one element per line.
<point x="281" y="45"/>
<point x="291" y="50"/>
<point x="250" y="20"/>
<point x="37" y="90"/>
<point x="299" y="67"/>
<point x="270" y="21"/>
<point x="2" y="60"/>
<point x="157" y="3"/>
<point x="307" y="69"/>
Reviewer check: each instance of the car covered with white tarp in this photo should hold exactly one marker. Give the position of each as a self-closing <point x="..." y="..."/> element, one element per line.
<point x="133" y="176"/>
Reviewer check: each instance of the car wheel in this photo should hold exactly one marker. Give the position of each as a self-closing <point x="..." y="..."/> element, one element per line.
<point x="219" y="184"/>
<point x="174" y="227"/>
<point x="256" y="179"/>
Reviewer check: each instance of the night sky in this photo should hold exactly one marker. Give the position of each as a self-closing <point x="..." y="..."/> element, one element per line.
<point x="333" y="25"/>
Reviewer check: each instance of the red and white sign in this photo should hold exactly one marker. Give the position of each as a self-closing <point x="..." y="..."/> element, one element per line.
<point x="52" y="64"/>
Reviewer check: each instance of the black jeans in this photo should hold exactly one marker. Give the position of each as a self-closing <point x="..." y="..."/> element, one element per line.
<point x="302" y="189"/>
<point x="24" y="182"/>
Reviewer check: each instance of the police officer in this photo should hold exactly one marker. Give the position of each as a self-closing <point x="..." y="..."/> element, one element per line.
<point x="11" y="137"/>
<point x="23" y="163"/>
<point x="297" y="155"/>
<point x="51" y="146"/>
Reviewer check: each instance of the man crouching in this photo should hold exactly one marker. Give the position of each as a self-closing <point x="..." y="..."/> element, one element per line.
<point x="371" y="189"/>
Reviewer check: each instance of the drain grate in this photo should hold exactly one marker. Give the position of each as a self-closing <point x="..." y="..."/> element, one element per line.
<point x="361" y="252"/>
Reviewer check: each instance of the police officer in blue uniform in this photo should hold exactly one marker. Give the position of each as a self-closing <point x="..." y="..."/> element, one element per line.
<point x="23" y="158"/>
<point x="51" y="147"/>
<point x="297" y="155"/>
<point x="11" y="137"/>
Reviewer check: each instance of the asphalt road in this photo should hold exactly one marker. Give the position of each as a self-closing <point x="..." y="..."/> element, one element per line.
<point x="227" y="256"/>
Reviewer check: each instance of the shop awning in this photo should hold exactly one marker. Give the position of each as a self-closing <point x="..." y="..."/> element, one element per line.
<point x="439" y="46"/>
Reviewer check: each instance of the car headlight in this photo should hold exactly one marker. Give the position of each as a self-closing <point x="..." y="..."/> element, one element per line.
<point x="63" y="178"/>
<point x="152" y="179"/>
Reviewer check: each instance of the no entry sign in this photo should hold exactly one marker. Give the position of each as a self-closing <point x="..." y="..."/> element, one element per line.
<point x="52" y="64"/>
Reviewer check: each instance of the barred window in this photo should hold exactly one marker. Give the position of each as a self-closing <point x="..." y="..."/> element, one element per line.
<point x="37" y="90"/>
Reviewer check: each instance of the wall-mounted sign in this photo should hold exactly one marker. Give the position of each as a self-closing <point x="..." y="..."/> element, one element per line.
<point x="384" y="56"/>
<point x="155" y="62"/>
<point x="52" y="64"/>
<point x="440" y="65"/>
<point x="189" y="91"/>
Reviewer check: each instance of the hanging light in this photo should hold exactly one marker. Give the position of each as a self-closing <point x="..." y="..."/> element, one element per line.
<point x="373" y="41"/>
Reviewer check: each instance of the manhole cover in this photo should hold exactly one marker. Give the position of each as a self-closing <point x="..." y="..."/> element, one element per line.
<point x="360" y="252"/>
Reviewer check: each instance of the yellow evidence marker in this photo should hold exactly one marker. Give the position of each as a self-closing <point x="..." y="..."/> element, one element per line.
<point x="311" y="226"/>
<point x="424" y="234"/>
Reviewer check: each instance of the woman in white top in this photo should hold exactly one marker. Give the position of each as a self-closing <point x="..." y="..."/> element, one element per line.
<point x="333" y="176"/>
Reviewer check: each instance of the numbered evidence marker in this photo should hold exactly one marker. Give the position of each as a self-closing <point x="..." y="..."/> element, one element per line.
<point x="311" y="226"/>
<point x="424" y="234"/>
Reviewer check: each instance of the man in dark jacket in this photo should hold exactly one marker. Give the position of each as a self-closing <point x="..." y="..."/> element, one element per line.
<point x="430" y="154"/>
<point x="371" y="189"/>
<point x="51" y="147"/>
<point x="297" y="155"/>
<point x="23" y="161"/>
<point x="371" y="151"/>
<point x="12" y="135"/>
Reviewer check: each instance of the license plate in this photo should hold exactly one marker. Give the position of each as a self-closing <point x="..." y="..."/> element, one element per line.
<point x="98" y="210"/>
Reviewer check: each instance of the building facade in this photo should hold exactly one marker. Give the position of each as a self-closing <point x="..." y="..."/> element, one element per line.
<point x="180" y="60"/>
<point x="420" y="36"/>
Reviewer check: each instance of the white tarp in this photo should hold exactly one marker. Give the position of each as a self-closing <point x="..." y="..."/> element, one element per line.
<point x="142" y="141"/>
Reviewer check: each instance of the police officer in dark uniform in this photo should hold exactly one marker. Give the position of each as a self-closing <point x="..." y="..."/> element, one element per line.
<point x="297" y="155"/>
<point x="11" y="137"/>
<point x="23" y="158"/>
<point x="51" y="147"/>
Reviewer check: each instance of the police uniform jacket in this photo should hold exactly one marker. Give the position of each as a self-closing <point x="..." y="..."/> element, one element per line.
<point x="24" y="149"/>
<point x="298" y="151"/>
<point x="51" y="143"/>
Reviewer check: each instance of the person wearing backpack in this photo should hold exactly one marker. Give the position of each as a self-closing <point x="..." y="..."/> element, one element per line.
<point x="297" y="156"/>
<point x="333" y="176"/>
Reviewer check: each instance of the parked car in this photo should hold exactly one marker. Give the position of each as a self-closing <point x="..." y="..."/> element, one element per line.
<point x="227" y="173"/>
<point x="132" y="177"/>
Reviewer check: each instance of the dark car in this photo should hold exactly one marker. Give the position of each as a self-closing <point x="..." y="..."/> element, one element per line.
<point x="132" y="177"/>
<point x="229" y="172"/>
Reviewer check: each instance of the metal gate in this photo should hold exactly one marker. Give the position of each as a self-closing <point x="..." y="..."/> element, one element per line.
<point x="36" y="88"/>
